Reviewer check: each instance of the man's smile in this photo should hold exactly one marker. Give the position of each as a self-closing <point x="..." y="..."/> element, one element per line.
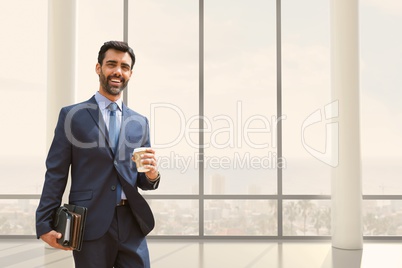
<point x="116" y="81"/>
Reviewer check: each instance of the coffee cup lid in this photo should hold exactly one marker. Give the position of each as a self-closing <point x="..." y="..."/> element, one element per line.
<point x="140" y="149"/>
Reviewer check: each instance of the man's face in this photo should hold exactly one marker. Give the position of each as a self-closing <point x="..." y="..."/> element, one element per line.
<point x="115" y="72"/>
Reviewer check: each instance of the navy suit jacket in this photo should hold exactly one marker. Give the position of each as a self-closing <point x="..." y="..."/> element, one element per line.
<point x="81" y="144"/>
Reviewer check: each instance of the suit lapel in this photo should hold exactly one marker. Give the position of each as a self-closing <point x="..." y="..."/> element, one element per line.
<point x="94" y="111"/>
<point x="126" y="130"/>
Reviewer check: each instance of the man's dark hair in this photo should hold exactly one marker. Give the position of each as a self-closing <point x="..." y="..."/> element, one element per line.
<point x="118" y="45"/>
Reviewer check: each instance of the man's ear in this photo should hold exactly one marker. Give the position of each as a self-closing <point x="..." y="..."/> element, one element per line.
<point x="98" y="68"/>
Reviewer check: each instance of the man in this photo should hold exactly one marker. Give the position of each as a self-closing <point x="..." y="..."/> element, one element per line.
<point x="104" y="177"/>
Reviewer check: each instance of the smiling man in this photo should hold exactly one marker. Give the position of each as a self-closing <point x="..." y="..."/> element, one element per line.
<point x="94" y="140"/>
<point x="114" y="68"/>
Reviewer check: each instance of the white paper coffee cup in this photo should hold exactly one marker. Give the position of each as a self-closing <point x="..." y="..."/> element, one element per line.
<point x="137" y="159"/>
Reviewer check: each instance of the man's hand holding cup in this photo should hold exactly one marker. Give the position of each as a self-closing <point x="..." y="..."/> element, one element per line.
<point x="145" y="160"/>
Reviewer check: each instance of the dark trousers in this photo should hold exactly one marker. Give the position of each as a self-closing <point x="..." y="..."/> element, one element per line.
<point x="123" y="245"/>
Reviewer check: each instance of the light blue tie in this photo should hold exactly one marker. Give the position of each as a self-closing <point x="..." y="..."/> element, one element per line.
<point x="113" y="130"/>
<point x="113" y="138"/>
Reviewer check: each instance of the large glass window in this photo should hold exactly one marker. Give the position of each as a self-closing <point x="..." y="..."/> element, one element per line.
<point x="96" y="23"/>
<point x="381" y="115"/>
<point x="240" y="217"/>
<point x="164" y="86"/>
<point x="307" y="217"/>
<point x="240" y="97"/>
<point x="306" y="93"/>
<point x="381" y="82"/>
<point x="23" y="86"/>
<point x="17" y="216"/>
<point x="175" y="217"/>
<point x="382" y="217"/>
<point x="217" y="61"/>
<point x="23" y="117"/>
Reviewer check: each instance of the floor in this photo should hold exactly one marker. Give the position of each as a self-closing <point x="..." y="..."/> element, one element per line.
<point x="32" y="253"/>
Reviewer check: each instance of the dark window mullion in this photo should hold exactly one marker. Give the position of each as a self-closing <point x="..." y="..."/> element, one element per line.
<point x="201" y="121"/>
<point x="279" y="115"/>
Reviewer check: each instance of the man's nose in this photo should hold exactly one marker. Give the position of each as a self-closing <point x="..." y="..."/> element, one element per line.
<point x="117" y="71"/>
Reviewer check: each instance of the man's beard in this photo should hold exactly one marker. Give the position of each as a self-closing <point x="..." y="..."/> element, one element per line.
<point x="109" y="89"/>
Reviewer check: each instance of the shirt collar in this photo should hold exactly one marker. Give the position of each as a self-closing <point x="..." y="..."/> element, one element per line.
<point x="104" y="102"/>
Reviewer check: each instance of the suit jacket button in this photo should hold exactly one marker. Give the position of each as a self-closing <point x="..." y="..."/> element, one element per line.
<point x="113" y="187"/>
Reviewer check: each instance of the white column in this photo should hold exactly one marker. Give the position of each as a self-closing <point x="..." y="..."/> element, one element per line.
<point x="61" y="63"/>
<point x="346" y="176"/>
<point x="61" y="60"/>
